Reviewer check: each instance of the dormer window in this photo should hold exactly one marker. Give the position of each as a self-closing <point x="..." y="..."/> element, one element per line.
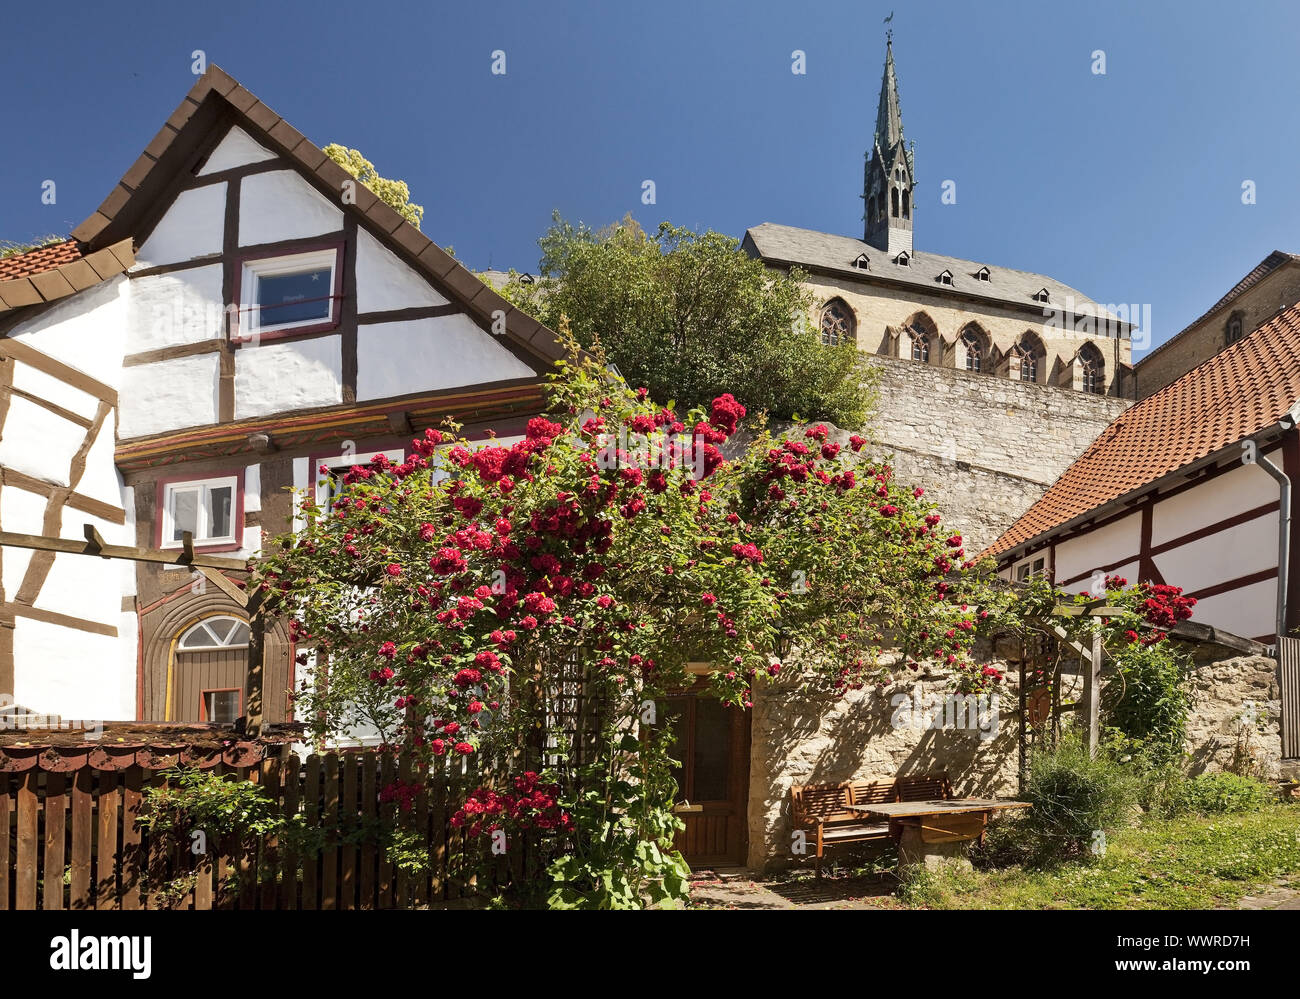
<point x="903" y="259"/>
<point x="526" y="278"/>
<point x="862" y="263"/>
<point x="945" y="278"/>
<point x="1041" y="295"/>
<point x="983" y="274"/>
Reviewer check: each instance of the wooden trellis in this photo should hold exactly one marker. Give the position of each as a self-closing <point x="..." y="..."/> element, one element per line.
<point x="213" y="568"/>
<point x="1091" y="660"/>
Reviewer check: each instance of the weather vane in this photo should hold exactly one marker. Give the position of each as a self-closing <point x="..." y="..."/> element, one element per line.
<point x="889" y="35"/>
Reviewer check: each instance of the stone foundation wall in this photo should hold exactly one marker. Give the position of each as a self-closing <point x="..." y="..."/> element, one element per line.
<point x="1234" y="723"/>
<point x="813" y="738"/>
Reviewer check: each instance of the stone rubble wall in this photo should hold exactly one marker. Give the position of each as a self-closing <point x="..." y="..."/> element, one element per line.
<point x="813" y="738"/>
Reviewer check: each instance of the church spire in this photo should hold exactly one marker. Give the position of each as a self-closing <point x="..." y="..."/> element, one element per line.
<point x="889" y="177"/>
<point x="889" y="119"/>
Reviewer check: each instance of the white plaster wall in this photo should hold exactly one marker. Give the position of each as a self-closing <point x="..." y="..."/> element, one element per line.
<point x="51" y="389"/>
<point x="85" y="331"/>
<point x="1250" y="611"/>
<point x="1100" y="547"/>
<point x="128" y="639"/>
<point x="1244" y="488"/>
<point x="38" y="442"/>
<point x="192" y="227"/>
<point x="85" y="588"/>
<point x="384" y="282"/>
<point x="168" y="395"/>
<point x="275" y="377"/>
<point x="1238" y="551"/>
<point x="237" y="149"/>
<point x="126" y="570"/>
<point x="252" y="488"/>
<point x="176" y="308"/>
<point x="429" y="354"/>
<point x="75" y="674"/>
<point x="23" y="513"/>
<point x="281" y="205"/>
<point x="101" y="479"/>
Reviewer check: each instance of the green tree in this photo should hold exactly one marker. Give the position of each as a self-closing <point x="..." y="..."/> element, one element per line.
<point x="394" y="193"/>
<point x="691" y="316"/>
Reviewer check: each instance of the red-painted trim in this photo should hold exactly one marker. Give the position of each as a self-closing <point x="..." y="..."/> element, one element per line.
<point x="203" y="712"/>
<point x="237" y="517"/>
<point x="1234" y="584"/>
<point x="1147" y="553"/>
<point x="1087" y="527"/>
<point x="336" y="296"/>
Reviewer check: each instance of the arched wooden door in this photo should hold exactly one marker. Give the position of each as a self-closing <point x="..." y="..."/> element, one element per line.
<point x="713" y="780"/>
<point x="211" y="662"/>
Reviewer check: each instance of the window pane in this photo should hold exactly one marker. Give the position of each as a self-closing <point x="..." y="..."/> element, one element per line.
<point x="294" y="298"/>
<point x="222" y="705"/>
<point x="185" y="512"/>
<point x="239" y="636"/>
<point x="219" y="511"/>
<point x="712" y="749"/>
<point x="221" y="627"/>
<point x="199" y="638"/>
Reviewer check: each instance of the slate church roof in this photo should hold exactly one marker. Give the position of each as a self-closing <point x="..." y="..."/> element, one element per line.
<point x="826" y="253"/>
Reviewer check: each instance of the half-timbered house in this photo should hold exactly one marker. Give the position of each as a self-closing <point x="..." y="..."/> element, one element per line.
<point x="239" y="319"/>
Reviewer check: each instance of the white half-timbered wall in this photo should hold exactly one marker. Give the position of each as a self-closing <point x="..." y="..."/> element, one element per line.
<point x="1217" y="539"/>
<point x="73" y="644"/>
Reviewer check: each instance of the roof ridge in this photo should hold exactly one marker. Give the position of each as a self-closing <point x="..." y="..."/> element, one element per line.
<point x="163" y="157"/>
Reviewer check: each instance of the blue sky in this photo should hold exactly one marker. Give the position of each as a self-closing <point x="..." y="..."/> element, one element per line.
<point x="1126" y="186"/>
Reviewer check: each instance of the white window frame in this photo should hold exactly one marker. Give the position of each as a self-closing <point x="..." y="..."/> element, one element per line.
<point x="344" y="461"/>
<point x="201" y="537"/>
<point x="1035" y="565"/>
<point x="254" y="270"/>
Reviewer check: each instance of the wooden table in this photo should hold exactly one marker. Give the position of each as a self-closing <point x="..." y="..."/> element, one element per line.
<point x="935" y="832"/>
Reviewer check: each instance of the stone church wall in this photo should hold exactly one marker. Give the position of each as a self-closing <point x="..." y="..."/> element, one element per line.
<point x="984" y="447"/>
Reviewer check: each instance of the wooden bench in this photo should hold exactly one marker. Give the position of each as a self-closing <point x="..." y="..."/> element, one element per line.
<point x="823" y="809"/>
<point x="928" y="787"/>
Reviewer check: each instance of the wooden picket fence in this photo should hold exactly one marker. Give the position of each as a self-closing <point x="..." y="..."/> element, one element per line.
<point x="69" y="840"/>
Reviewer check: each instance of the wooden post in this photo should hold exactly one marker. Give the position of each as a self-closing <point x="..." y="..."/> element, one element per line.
<point x="1024" y="720"/>
<point x="254" y="681"/>
<point x="1092" y="694"/>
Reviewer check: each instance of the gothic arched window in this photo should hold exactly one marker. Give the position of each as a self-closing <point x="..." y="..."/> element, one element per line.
<point x="920" y="347"/>
<point x="837" y="323"/>
<point x="1234" y="330"/>
<point x="893" y="201"/>
<point x="1092" y="370"/>
<point x="1029" y="352"/>
<point x="973" y="347"/>
<point x="907" y="204"/>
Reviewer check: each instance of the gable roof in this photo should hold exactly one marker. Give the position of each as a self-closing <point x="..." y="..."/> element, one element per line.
<point x="148" y="187"/>
<point x="828" y="253"/>
<point x="1257" y="274"/>
<point x="57" y="271"/>
<point x="1235" y="394"/>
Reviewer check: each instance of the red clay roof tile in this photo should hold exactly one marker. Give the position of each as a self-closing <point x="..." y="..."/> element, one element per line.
<point x="38" y="261"/>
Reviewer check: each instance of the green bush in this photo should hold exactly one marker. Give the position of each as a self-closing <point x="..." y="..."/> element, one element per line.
<point x="1076" y="799"/>
<point x="1216" y="793"/>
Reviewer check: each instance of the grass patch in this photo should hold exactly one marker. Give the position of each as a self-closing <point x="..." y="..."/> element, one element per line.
<point x="1192" y="862"/>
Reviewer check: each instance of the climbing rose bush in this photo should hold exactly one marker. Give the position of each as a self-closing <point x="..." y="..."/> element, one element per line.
<point x="448" y="598"/>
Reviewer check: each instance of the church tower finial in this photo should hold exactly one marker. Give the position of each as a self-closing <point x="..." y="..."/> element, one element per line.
<point x="889" y="177"/>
